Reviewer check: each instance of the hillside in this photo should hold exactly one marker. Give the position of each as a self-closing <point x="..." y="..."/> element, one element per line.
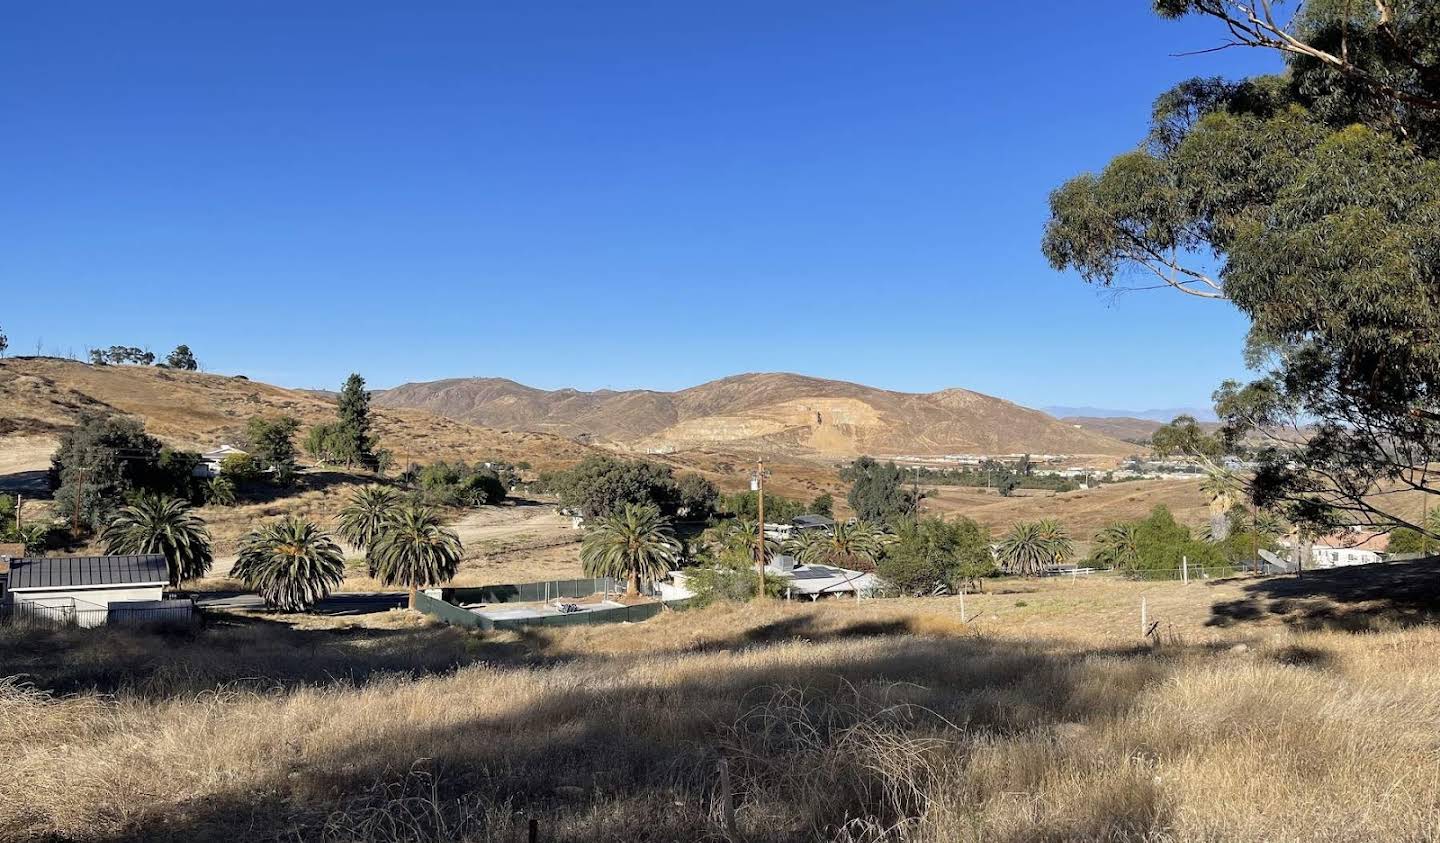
<point x="41" y="397"/>
<point x="786" y="414"/>
<point x="1116" y="427"/>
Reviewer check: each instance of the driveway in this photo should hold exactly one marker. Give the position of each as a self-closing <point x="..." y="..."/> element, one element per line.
<point x="341" y="603"/>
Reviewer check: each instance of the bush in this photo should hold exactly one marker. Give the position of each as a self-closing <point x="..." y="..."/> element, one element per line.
<point x="240" y="469"/>
<point x="458" y="484"/>
<point x="731" y="578"/>
<point x="935" y="553"/>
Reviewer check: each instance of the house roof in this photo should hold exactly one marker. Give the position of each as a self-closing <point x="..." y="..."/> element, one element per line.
<point x="1356" y="540"/>
<point x="812" y="521"/>
<point x="83" y="571"/>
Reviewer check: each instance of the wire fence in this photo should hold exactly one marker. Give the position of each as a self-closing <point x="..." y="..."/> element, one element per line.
<point x="173" y="614"/>
<point x="532" y="592"/>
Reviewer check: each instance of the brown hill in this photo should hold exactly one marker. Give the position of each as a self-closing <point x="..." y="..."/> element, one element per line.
<point x="784" y="413"/>
<point x="1118" y="427"/>
<point x="40" y="397"/>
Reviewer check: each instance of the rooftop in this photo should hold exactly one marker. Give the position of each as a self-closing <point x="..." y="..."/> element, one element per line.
<point x="80" y="571"/>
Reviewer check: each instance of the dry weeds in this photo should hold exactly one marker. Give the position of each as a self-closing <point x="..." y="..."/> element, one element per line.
<point x="869" y="721"/>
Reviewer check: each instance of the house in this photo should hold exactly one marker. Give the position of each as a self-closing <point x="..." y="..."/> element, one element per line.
<point x="812" y="522"/>
<point x="1355" y="546"/>
<point x="84" y="589"/>
<point x="816" y="581"/>
<point x="813" y="581"/>
<point x="212" y="461"/>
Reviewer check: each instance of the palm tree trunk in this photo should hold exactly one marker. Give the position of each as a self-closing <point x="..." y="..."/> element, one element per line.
<point x="634" y="588"/>
<point x="412" y="597"/>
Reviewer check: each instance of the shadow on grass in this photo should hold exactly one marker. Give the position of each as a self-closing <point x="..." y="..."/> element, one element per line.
<point x="1359" y="598"/>
<point x="633" y="756"/>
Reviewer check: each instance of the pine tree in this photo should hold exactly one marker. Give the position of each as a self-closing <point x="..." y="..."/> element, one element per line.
<point x="354" y="441"/>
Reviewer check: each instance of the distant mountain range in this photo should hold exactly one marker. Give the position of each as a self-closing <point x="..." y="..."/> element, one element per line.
<point x="779" y="413"/>
<point x="1162" y="414"/>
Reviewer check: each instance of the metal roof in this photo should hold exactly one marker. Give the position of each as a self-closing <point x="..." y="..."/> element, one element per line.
<point x="81" y="571"/>
<point x="803" y="521"/>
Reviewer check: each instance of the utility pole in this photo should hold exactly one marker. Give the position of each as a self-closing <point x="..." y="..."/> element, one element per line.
<point x="759" y="485"/>
<point x="915" y="499"/>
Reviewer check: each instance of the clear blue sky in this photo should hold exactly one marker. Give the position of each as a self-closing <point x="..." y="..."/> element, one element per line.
<point x="590" y="194"/>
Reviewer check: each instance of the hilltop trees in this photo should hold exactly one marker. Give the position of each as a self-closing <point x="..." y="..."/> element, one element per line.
<point x="157" y="524"/>
<point x="1311" y="201"/>
<point x="182" y="358"/>
<point x="633" y="543"/>
<point x="291" y="563"/>
<point x="4" y="342"/>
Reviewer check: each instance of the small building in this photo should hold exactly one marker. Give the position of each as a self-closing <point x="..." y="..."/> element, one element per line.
<point x="84" y="589"/>
<point x="1349" y="547"/>
<point x="212" y="461"/>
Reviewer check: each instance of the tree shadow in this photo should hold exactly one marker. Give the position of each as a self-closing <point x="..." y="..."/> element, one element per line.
<point x="32" y="484"/>
<point x="1359" y="598"/>
<point x="634" y="757"/>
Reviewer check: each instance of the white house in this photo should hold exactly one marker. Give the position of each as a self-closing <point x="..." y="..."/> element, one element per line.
<point x="211" y="461"/>
<point x="813" y="581"/>
<point x="1349" y="547"/>
<point x="84" y="589"/>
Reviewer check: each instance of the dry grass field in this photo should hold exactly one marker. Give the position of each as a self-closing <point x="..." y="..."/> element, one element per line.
<point x="1262" y="709"/>
<point x="1084" y="512"/>
<point x="44" y="396"/>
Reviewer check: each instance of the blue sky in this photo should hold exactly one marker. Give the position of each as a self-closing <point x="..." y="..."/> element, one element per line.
<point x="591" y="194"/>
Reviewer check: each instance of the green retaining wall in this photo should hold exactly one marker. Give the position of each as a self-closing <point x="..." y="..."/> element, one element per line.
<point x="532" y="592"/>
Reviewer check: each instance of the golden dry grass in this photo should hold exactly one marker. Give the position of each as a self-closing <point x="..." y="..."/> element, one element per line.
<point x="1084" y="512"/>
<point x="43" y="396"/>
<point x="1045" y="718"/>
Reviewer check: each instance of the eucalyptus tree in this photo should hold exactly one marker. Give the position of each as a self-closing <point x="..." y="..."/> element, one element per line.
<point x="1309" y="201"/>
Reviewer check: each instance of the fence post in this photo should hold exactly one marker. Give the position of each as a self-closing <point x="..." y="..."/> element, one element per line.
<point x="1185" y="569"/>
<point x="727" y="801"/>
<point x="534" y="830"/>
<point x="1144" y="619"/>
<point x="962" y="606"/>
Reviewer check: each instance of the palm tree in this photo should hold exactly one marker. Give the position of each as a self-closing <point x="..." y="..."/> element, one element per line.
<point x="416" y="550"/>
<point x="157" y="524"/>
<point x="636" y="542"/>
<point x="1223" y="489"/>
<point x="744" y="535"/>
<point x="801" y="543"/>
<point x="855" y="545"/>
<point x="291" y="563"/>
<point x="1032" y="546"/>
<point x="365" y="517"/>
<point x="1118" y="545"/>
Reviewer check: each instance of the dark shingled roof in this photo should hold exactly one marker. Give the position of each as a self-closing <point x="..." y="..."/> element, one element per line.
<point x="74" y="571"/>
